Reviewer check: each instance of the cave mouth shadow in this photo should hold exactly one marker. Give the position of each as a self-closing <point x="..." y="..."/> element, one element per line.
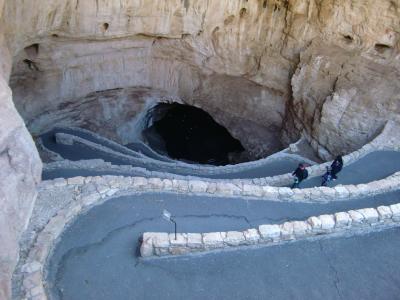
<point x="190" y="134"/>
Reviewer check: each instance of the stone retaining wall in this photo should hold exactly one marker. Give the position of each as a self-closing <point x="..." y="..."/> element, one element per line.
<point x="163" y="244"/>
<point x="224" y="189"/>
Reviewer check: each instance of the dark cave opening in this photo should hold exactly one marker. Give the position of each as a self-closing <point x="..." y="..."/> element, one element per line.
<point x="190" y="134"/>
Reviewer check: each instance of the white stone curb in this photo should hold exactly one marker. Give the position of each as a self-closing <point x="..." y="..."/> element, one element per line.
<point x="164" y="244"/>
<point x="224" y="189"/>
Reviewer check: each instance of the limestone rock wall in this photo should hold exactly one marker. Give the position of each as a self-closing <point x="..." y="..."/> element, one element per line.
<point x="20" y="171"/>
<point x="343" y="98"/>
<point x="64" y="75"/>
<point x="235" y="59"/>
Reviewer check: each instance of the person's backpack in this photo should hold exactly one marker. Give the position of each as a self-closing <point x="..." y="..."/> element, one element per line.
<point x="327" y="176"/>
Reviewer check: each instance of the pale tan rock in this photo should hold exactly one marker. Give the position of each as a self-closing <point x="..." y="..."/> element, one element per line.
<point x="287" y="232"/>
<point x="315" y="223"/>
<point x="76" y="180"/>
<point x="301" y="228"/>
<point x="20" y="172"/>
<point x="252" y="236"/>
<point x="371" y="216"/>
<point x="342" y="219"/>
<point x="385" y="214"/>
<point x="234" y="238"/>
<point x="395" y="208"/>
<point x="156" y="183"/>
<point x="195" y="241"/>
<point x="146" y="248"/>
<point x="213" y="240"/>
<point x="356" y="217"/>
<point x="327" y="222"/>
<point x="270" y="232"/>
<point x="197" y="186"/>
<point x="251" y="76"/>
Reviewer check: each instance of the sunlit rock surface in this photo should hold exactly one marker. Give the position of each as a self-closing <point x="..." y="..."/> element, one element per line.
<point x="235" y="60"/>
<point x="20" y="171"/>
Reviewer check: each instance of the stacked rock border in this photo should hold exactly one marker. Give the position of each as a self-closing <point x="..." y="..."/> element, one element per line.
<point x="165" y="244"/>
<point x="226" y="189"/>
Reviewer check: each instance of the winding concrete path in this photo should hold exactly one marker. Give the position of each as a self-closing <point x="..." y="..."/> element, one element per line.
<point x="146" y="150"/>
<point x="76" y="152"/>
<point x="373" y="166"/>
<point x="99" y="260"/>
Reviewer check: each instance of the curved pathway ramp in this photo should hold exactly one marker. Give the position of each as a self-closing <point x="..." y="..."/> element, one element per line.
<point x="277" y="167"/>
<point x="76" y="145"/>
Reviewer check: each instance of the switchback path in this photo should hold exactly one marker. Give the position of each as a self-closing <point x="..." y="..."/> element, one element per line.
<point x="76" y="152"/>
<point x="97" y="257"/>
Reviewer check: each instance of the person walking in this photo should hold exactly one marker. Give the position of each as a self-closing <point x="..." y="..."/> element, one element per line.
<point x="327" y="176"/>
<point x="336" y="166"/>
<point x="299" y="175"/>
<point x="332" y="171"/>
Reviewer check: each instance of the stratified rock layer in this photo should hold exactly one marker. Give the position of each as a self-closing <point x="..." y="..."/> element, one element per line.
<point x="234" y="59"/>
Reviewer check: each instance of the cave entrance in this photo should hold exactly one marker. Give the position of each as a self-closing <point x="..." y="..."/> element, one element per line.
<point x="189" y="133"/>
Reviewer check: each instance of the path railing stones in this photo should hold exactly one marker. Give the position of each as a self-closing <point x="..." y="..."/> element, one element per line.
<point x="224" y="189"/>
<point x="164" y="244"/>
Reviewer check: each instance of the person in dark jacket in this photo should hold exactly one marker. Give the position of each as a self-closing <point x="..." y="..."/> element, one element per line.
<point x="299" y="175"/>
<point x="336" y="166"/>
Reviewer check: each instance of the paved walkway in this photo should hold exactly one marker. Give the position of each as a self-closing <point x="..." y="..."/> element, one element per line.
<point x="99" y="260"/>
<point x="77" y="152"/>
<point x="144" y="149"/>
<point x="383" y="164"/>
<point x="374" y="166"/>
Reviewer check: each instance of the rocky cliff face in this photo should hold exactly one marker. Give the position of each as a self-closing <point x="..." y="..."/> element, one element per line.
<point x="20" y="171"/>
<point x="343" y="97"/>
<point x="269" y="70"/>
<point x="235" y="59"/>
